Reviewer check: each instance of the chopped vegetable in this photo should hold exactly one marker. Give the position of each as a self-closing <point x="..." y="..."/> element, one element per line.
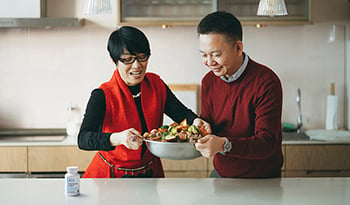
<point x="164" y="127"/>
<point x="163" y="135"/>
<point x="177" y="133"/>
<point x="170" y="138"/>
<point x="183" y="122"/>
<point x="193" y="129"/>
<point x="172" y="130"/>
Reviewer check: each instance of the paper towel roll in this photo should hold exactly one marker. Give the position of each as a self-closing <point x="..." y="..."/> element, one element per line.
<point x="331" y="117"/>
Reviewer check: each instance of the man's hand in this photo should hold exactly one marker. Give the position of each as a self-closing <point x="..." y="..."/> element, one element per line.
<point x="209" y="145"/>
<point x="201" y="124"/>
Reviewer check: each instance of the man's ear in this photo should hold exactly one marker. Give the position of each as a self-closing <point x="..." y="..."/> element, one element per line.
<point x="239" y="47"/>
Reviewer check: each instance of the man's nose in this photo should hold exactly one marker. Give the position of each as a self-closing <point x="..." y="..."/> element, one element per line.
<point x="211" y="60"/>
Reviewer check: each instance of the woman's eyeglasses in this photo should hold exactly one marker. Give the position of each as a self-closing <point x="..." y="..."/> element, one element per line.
<point x="131" y="59"/>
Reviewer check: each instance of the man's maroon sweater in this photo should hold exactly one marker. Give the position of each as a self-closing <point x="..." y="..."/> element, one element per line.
<point x="248" y="112"/>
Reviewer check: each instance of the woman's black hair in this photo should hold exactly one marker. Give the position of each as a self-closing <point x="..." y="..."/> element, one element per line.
<point x="130" y="38"/>
<point x="221" y="22"/>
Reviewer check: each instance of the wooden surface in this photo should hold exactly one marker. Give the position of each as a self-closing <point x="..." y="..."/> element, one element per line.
<point x="317" y="160"/>
<point x="318" y="157"/>
<point x="186" y="174"/>
<point x="13" y="159"/>
<point x="300" y="161"/>
<point x="195" y="168"/>
<point x="57" y="158"/>
<point x="198" y="164"/>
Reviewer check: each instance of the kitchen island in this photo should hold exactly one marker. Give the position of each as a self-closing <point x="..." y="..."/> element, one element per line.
<point x="302" y="158"/>
<point x="179" y="191"/>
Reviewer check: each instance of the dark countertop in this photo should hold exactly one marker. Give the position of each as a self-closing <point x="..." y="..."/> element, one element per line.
<point x="23" y="135"/>
<point x="291" y="138"/>
<point x="32" y="134"/>
<point x="5" y="132"/>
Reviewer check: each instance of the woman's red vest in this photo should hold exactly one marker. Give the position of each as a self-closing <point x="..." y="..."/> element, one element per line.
<point x="121" y="114"/>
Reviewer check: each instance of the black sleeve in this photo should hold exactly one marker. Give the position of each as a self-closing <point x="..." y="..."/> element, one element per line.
<point x="90" y="136"/>
<point x="176" y="110"/>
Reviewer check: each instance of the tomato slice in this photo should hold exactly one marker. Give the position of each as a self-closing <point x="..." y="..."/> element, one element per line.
<point x="184" y="122"/>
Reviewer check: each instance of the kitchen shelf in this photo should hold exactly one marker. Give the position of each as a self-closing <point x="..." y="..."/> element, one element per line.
<point x="159" y="12"/>
<point x="189" y="12"/>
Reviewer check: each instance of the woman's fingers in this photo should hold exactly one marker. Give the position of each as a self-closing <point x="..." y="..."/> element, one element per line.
<point x="134" y="139"/>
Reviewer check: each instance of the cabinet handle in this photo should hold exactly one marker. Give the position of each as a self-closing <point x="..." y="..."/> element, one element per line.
<point x="322" y="171"/>
<point x="164" y="26"/>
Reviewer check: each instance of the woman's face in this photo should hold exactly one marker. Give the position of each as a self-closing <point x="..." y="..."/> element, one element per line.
<point x="132" y="68"/>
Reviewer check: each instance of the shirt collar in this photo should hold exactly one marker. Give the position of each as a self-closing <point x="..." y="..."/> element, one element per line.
<point x="239" y="72"/>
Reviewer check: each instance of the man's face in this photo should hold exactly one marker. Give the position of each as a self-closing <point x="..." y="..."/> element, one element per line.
<point x="220" y="55"/>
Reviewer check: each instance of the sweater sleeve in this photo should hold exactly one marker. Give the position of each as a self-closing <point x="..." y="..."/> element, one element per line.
<point x="205" y="105"/>
<point x="267" y="124"/>
<point x="176" y="110"/>
<point x="90" y="136"/>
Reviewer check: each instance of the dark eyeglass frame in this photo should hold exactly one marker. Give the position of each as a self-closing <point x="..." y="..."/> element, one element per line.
<point x="131" y="59"/>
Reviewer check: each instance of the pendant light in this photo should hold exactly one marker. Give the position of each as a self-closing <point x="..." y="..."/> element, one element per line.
<point x="97" y="7"/>
<point x="272" y="8"/>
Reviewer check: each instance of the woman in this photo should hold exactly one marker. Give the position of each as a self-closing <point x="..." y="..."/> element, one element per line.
<point x="121" y="110"/>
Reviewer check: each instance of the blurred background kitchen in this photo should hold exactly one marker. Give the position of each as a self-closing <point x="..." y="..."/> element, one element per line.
<point x="48" y="72"/>
<point x="45" y="70"/>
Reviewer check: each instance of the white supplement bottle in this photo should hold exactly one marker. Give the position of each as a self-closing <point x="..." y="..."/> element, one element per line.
<point x="72" y="181"/>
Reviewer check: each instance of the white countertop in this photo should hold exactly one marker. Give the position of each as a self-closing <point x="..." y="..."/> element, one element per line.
<point x="203" y="191"/>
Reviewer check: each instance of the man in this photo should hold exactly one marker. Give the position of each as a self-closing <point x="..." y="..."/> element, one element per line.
<point x="242" y="101"/>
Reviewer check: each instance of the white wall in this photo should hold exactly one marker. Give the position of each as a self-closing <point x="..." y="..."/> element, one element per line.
<point x="43" y="71"/>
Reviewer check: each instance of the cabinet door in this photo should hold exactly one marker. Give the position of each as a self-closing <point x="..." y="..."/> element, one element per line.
<point x="318" y="157"/>
<point x="189" y="12"/>
<point x="186" y="174"/>
<point x="211" y="166"/>
<point x="317" y="173"/>
<point x="195" y="168"/>
<point x="57" y="158"/>
<point x="163" y="12"/>
<point x="13" y="159"/>
<point x="299" y="11"/>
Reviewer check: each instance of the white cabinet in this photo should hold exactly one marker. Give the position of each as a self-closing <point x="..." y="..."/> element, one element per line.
<point x="22" y="8"/>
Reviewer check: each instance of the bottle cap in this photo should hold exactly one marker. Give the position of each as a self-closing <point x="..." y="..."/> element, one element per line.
<point x="332" y="89"/>
<point x="72" y="169"/>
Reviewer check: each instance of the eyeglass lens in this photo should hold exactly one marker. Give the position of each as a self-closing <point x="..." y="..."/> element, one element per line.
<point x="131" y="59"/>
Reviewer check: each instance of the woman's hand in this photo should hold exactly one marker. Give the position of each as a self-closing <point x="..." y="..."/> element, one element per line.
<point x="130" y="138"/>
<point x="209" y="145"/>
<point x="202" y="124"/>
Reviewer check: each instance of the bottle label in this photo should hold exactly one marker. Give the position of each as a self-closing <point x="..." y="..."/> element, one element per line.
<point x="72" y="186"/>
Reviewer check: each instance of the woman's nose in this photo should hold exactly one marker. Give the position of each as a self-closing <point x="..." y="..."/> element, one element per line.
<point x="136" y="64"/>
